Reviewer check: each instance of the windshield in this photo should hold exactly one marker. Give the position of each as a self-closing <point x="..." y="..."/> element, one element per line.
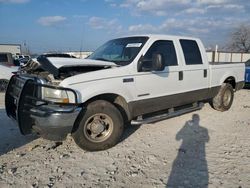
<point x="120" y="51"/>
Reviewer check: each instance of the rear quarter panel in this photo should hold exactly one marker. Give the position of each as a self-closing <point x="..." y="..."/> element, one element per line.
<point x="220" y="72"/>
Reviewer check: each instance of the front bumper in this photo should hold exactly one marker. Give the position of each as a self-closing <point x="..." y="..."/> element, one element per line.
<point x="54" y="122"/>
<point x="50" y="120"/>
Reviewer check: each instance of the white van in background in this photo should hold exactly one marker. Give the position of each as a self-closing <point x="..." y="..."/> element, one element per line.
<point x="6" y="68"/>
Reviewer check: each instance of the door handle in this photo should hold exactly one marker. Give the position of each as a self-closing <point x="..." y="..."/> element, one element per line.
<point x="205" y="73"/>
<point x="180" y="75"/>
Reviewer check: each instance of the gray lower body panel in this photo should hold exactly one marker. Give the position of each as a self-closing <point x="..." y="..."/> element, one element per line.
<point x="160" y="103"/>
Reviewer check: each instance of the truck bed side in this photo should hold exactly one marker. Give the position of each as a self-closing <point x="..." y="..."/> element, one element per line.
<point x="220" y="72"/>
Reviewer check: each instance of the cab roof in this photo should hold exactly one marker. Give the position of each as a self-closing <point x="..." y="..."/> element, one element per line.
<point x="162" y="36"/>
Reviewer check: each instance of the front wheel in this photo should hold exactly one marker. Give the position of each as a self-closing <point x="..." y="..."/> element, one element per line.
<point x="100" y="127"/>
<point x="224" y="99"/>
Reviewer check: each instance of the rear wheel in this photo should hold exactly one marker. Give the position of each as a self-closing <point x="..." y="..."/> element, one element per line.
<point x="3" y="85"/>
<point x="224" y="99"/>
<point x="100" y="127"/>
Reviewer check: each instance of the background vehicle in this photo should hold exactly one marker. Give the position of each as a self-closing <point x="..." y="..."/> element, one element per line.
<point x="6" y="69"/>
<point x="137" y="79"/>
<point x="58" y="55"/>
<point x="24" y="60"/>
<point x="21" y="59"/>
<point x="6" y="59"/>
<point x="5" y="75"/>
<point x="247" y="74"/>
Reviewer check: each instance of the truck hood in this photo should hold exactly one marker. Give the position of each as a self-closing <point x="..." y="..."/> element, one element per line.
<point x="59" y="62"/>
<point x="62" y="68"/>
<point x="98" y="76"/>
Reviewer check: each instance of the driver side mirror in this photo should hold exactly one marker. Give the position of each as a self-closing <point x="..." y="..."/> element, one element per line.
<point x="156" y="64"/>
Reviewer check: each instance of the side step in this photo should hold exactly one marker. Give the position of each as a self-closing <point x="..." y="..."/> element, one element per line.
<point x="171" y="113"/>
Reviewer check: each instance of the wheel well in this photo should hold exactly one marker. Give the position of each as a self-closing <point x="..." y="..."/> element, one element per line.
<point x="231" y="80"/>
<point x="117" y="100"/>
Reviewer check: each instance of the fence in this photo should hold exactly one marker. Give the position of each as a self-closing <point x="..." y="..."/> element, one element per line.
<point x="227" y="56"/>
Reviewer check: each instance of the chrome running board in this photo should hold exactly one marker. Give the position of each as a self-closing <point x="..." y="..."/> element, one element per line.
<point x="171" y="113"/>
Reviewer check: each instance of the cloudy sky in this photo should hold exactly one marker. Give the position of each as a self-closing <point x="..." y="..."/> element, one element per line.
<point x="63" y="25"/>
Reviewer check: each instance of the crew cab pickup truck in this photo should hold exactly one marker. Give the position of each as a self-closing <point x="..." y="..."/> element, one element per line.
<point x="135" y="79"/>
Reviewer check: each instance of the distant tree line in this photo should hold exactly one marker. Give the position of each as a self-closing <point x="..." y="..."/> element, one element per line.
<point x="240" y="39"/>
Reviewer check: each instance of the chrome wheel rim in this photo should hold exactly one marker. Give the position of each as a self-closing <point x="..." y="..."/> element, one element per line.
<point x="98" y="127"/>
<point x="227" y="97"/>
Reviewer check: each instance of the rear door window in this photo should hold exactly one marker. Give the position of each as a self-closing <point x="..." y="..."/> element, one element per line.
<point x="191" y="52"/>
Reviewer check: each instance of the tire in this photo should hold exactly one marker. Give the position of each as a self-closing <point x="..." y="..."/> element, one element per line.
<point x="3" y="85"/>
<point x="224" y="99"/>
<point x="100" y="128"/>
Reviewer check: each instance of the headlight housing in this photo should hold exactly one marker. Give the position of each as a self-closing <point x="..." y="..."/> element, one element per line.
<point x="58" y="95"/>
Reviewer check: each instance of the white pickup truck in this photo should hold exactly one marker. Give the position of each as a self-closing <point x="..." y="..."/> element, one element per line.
<point x="136" y="79"/>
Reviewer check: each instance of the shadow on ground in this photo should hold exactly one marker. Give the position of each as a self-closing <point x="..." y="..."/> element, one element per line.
<point x="190" y="169"/>
<point x="129" y="130"/>
<point x="10" y="136"/>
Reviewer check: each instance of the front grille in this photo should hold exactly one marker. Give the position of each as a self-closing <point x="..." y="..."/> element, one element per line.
<point x="18" y="103"/>
<point x="16" y="87"/>
<point x="12" y="95"/>
<point x="23" y="95"/>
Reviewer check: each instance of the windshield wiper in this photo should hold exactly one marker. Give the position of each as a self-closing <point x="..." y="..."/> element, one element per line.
<point x="118" y="63"/>
<point x="102" y="59"/>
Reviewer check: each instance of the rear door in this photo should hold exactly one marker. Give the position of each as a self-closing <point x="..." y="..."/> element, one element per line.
<point x="195" y="71"/>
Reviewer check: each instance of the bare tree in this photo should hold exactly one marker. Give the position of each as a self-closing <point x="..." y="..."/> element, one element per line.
<point x="240" y="39"/>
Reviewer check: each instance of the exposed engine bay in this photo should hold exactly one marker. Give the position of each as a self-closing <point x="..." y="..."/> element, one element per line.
<point x="57" y="69"/>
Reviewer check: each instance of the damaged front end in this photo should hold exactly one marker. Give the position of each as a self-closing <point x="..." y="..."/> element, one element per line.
<point x="36" y="107"/>
<point x="54" y="69"/>
<point x="37" y="103"/>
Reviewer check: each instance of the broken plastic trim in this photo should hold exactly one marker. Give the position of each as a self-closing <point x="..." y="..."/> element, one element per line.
<point x="47" y="65"/>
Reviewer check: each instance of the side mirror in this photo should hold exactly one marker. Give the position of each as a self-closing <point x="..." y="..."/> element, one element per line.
<point x="140" y="64"/>
<point x="155" y="64"/>
<point x="158" y="63"/>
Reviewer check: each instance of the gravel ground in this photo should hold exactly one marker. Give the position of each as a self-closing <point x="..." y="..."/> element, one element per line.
<point x="205" y="148"/>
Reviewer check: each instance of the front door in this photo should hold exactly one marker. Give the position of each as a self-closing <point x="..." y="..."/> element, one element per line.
<point x="156" y="90"/>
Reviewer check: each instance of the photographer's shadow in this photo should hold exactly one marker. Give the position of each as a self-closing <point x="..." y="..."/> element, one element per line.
<point x="190" y="166"/>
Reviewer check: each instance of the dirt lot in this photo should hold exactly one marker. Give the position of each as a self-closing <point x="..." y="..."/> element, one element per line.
<point x="205" y="148"/>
